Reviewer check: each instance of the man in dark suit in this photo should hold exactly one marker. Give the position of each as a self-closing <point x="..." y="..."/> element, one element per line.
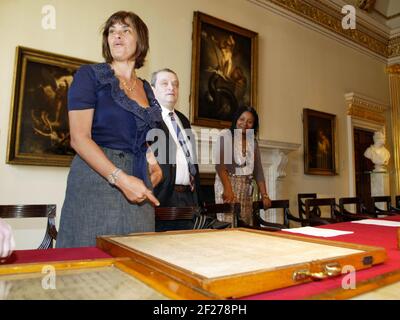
<point x="180" y="186"/>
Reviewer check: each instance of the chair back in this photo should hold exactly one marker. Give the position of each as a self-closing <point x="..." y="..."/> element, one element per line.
<point x="202" y="218"/>
<point x="351" y="200"/>
<point x="313" y="211"/>
<point x="193" y="214"/>
<point x="301" y="203"/>
<point x="211" y="209"/>
<point x="360" y="213"/>
<point x="388" y="208"/>
<point x="275" y="204"/>
<point x="386" y="200"/>
<point x="34" y="211"/>
<point x="397" y="204"/>
<point x="175" y="213"/>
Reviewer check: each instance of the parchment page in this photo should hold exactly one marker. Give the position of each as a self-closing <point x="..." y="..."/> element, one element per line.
<point x="318" y="232"/>
<point x="215" y="254"/>
<point x="106" y="283"/>
<point x="376" y="222"/>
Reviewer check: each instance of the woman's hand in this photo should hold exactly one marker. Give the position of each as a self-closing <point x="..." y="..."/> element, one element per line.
<point x="134" y="189"/>
<point x="266" y="201"/>
<point x="228" y="196"/>
<point x="155" y="174"/>
<point x="154" y="168"/>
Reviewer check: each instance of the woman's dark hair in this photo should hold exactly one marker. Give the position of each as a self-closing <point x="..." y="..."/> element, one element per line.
<point x="142" y="32"/>
<point x="239" y="112"/>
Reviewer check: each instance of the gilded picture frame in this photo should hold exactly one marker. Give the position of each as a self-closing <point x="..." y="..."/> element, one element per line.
<point x="319" y="132"/>
<point x="38" y="129"/>
<point x="224" y="70"/>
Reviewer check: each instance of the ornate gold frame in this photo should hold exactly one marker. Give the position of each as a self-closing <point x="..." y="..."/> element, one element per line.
<point x="199" y="52"/>
<point x="35" y="123"/>
<point x="313" y="121"/>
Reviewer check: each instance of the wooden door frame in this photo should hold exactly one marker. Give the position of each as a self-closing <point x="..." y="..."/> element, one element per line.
<point x="365" y="113"/>
<point x="355" y="123"/>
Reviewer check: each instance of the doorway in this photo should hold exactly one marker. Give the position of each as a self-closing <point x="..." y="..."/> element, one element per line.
<point x="363" y="166"/>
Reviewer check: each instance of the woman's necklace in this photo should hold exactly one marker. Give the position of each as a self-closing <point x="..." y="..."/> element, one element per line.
<point x="129" y="88"/>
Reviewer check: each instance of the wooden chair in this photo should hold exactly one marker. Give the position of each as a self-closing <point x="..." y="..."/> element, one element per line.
<point x="361" y="210"/>
<point x="313" y="211"/>
<point x="387" y="201"/>
<point x="302" y="208"/>
<point x="187" y="216"/>
<point x="35" y="211"/>
<point x="360" y="213"/>
<point x="275" y="204"/>
<point x="211" y="209"/>
<point x="175" y="213"/>
<point x="199" y="217"/>
<point x="397" y="203"/>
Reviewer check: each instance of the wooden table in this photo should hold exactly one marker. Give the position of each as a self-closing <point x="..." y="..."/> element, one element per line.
<point x="363" y="234"/>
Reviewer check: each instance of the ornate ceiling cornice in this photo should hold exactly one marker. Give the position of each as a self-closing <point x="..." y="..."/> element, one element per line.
<point x="393" y="69"/>
<point x="327" y="15"/>
<point x="362" y="107"/>
<point x="394" y="47"/>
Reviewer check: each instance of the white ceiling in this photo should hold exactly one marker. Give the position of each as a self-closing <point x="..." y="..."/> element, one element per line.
<point x="388" y="8"/>
<point x="387" y="12"/>
<point x="384" y="12"/>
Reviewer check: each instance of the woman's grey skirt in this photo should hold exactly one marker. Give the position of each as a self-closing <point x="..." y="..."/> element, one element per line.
<point x="92" y="207"/>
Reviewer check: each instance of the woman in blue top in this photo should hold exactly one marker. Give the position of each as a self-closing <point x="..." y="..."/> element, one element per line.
<point x="110" y="112"/>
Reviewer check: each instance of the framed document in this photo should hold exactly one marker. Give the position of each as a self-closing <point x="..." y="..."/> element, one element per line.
<point x="240" y="262"/>
<point x="100" y="279"/>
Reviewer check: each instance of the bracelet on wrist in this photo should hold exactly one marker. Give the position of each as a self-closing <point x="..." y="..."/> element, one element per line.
<point x="113" y="177"/>
<point x="265" y="196"/>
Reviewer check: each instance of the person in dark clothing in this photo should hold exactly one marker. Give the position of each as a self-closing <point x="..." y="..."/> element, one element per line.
<point x="180" y="186"/>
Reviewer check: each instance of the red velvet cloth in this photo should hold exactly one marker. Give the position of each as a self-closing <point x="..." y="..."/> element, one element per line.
<point x="27" y="256"/>
<point x="372" y="235"/>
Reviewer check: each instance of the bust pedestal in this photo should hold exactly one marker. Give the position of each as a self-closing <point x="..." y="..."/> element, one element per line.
<point x="380" y="185"/>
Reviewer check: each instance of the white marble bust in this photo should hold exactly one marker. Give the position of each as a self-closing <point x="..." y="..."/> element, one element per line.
<point x="377" y="152"/>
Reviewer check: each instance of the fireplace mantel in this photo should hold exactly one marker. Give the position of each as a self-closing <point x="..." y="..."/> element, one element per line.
<point x="274" y="158"/>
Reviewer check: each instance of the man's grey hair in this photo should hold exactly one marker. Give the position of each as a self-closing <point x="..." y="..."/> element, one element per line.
<point x="155" y="73"/>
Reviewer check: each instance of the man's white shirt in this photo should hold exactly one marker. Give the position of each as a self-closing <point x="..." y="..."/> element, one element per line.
<point x="182" y="169"/>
